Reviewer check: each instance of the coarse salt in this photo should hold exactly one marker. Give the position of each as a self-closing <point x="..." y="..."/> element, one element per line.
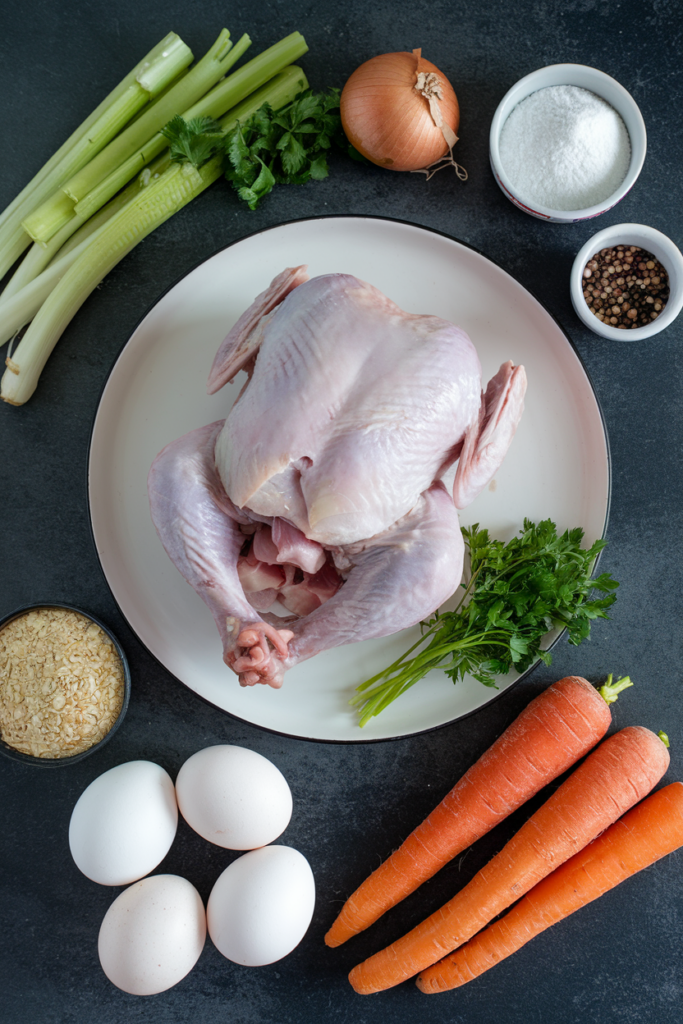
<point x="565" y="148"/>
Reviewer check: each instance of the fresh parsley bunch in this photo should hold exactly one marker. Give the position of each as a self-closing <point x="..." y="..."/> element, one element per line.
<point x="516" y="593"/>
<point x="289" y="146"/>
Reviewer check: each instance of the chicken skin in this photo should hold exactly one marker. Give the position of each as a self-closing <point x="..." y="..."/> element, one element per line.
<point x="321" y="493"/>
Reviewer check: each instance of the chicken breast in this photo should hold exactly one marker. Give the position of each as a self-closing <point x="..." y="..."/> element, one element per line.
<point x="382" y="399"/>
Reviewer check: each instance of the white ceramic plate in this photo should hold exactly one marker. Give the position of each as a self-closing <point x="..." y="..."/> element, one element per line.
<point x="558" y="465"/>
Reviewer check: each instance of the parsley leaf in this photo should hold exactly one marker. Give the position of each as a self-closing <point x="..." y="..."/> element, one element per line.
<point x="196" y="140"/>
<point x="515" y="593"/>
<point x="290" y="146"/>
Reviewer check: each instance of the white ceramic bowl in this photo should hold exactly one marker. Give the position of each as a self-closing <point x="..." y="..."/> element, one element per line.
<point x="586" y="78"/>
<point x="661" y="247"/>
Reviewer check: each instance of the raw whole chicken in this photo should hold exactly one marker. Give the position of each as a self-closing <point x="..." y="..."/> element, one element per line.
<point x="321" y="493"/>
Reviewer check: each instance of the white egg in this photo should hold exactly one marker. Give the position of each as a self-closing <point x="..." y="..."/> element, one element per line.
<point x="234" y="797"/>
<point x="124" y="823"/>
<point x="152" y="935"/>
<point x="261" y="906"/>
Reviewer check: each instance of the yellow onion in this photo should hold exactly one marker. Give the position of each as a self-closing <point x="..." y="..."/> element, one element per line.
<point x="393" y="124"/>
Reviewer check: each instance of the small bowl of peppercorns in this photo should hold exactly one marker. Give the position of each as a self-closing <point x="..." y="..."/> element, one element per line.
<point x="627" y="282"/>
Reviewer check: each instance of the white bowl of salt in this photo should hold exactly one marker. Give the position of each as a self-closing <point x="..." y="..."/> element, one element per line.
<point x="567" y="143"/>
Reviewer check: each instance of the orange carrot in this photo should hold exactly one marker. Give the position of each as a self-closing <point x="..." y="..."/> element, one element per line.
<point x="614" y="777"/>
<point x="556" y="729"/>
<point x="644" y="835"/>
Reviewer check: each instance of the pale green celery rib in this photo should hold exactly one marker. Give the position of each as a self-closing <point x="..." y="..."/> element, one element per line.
<point x="33" y="264"/>
<point x="72" y="234"/>
<point x="51" y="216"/>
<point x="155" y="75"/>
<point x="199" y="80"/>
<point x="20" y="308"/>
<point x="160" y="200"/>
<point x="176" y="187"/>
<point x="168" y="59"/>
<point x="110" y="185"/>
<point x="47" y="220"/>
<point x="278" y="92"/>
<point x="224" y="96"/>
<point x="13" y="241"/>
<point x="254" y="74"/>
<point x="67" y="148"/>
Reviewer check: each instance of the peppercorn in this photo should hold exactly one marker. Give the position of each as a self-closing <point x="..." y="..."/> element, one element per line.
<point x="625" y="286"/>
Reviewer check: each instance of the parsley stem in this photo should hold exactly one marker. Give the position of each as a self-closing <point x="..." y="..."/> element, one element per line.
<point x="468" y="589"/>
<point x="161" y="65"/>
<point x="396" y="681"/>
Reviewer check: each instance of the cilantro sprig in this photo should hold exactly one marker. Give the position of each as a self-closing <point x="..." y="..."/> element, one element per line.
<point x="287" y="146"/>
<point x="515" y="593"/>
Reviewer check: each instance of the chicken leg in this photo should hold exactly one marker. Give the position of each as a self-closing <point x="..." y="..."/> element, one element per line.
<point x="204" y="543"/>
<point x="396" y="580"/>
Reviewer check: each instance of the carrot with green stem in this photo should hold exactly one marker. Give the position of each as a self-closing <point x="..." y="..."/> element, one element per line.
<point x="614" y="777"/>
<point x="556" y="729"/>
<point x="646" y="834"/>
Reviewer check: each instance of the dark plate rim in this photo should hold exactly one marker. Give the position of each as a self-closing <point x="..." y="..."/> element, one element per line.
<point x="263" y="231"/>
<point x="60" y="762"/>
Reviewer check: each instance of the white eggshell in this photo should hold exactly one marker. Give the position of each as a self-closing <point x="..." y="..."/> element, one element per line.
<point x="261" y="906"/>
<point x="124" y="823"/>
<point x="234" y="797"/>
<point x="152" y="935"/>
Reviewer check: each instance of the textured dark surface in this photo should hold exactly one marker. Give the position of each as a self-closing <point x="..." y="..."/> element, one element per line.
<point x="618" y="960"/>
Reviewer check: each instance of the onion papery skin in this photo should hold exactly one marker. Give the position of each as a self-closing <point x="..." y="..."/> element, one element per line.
<point x="387" y="120"/>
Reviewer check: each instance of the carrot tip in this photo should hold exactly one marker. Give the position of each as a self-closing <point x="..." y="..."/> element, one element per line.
<point x="356" y="979"/>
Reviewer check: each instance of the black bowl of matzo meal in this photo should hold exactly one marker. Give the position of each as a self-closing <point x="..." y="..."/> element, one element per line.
<point x="64" y="684"/>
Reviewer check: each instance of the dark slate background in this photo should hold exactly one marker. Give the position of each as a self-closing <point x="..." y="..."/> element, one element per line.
<point x="618" y="960"/>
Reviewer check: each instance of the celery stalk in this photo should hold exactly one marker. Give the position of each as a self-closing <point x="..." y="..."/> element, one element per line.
<point x="163" y="196"/>
<point x="76" y="231"/>
<point x="278" y="92"/>
<point x="20" y="308"/>
<point x="213" y="65"/>
<point x="171" y="45"/>
<point x="249" y="77"/>
<point x="173" y="190"/>
<point x="157" y="68"/>
<point x="52" y="215"/>
<point x="214" y="104"/>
